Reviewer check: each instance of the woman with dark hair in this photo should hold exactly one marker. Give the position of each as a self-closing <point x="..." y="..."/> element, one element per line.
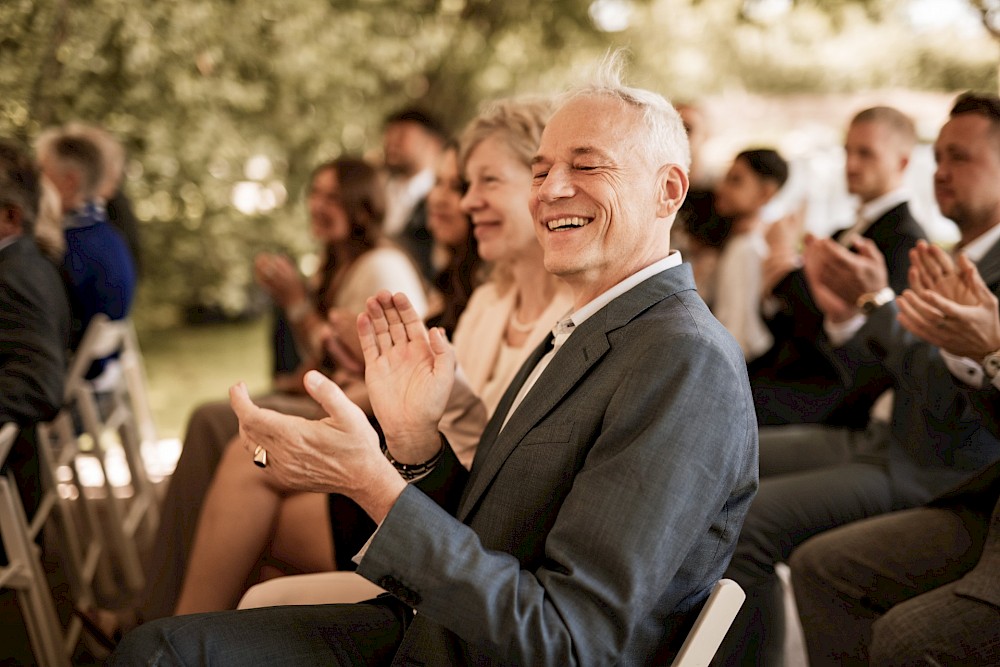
<point x="345" y="203"/>
<point x="751" y="182"/>
<point x="452" y="230"/>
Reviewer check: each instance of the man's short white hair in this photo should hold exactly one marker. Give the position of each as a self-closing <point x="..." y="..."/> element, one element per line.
<point x="667" y="141"/>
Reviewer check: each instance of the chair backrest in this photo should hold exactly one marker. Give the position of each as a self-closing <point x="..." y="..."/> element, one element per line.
<point x="103" y="523"/>
<point x="102" y="338"/>
<point x="712" y="624"/>
<point x="135" y="379"/>
<point x="8" y="434"/>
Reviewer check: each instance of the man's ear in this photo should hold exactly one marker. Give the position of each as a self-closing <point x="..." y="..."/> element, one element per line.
<point x="671" y="189"/>
<point x="904" y="161"/>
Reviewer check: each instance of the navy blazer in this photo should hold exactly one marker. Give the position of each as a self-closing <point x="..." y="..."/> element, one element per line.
<point x="591" y="528"/>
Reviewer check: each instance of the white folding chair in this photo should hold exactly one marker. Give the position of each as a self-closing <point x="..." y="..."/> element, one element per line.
<point x="712" y="624"/>
<point x="319" y="588"/>
<point x="132" y="510"/>
<point x="24" y="572"/>
<point x="79" y="538"/>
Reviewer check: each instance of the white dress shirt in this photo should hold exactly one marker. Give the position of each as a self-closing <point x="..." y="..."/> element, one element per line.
<point x="567" y="325"/>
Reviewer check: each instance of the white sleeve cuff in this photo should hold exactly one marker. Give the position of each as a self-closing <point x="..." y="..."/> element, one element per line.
<point x="966" y="370"/>
<point x="840" y="333"/>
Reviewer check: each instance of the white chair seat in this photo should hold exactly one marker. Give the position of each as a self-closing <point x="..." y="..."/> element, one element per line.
<point x="304" y="589"/>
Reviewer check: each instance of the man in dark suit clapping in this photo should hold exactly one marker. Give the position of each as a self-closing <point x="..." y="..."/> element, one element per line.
<point x="794" y="382"/>
<point x="920" y="586"/>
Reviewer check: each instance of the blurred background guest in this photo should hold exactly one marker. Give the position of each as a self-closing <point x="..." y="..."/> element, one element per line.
<point x="345" y="202"/>
<point x="751" y="182"/>
<point x="411" y="141"/>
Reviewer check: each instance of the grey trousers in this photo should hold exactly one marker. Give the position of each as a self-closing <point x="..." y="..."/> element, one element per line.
<point x="368" y="633"/>
<point x="813" y="478"/>
<point x="880" y="592"/>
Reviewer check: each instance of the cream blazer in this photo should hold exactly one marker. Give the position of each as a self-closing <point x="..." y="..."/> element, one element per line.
<point x="477" y="341"/>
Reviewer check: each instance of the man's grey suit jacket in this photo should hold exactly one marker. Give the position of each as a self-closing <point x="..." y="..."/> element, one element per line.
<point x="590" y="530"/>
<point x="939" y="434"/>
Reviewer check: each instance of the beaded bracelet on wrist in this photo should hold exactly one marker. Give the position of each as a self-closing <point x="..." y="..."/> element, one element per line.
<point x="411" y="471"/>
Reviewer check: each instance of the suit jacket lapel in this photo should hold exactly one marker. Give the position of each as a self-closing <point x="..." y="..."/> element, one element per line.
<point x="580" y="352"/>
<point x="493" y="427"/>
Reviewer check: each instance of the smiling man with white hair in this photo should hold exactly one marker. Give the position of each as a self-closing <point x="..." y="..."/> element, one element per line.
<point x="604" y="499"/>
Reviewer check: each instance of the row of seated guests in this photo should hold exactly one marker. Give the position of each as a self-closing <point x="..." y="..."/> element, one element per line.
<point x="55" y="206"/>
<point x="48" y="300"/>
<point x="817" y="479"/>
<point x="830" y="454"/>
<point x="505" y="319"/>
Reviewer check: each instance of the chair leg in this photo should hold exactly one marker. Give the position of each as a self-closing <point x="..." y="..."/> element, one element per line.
<point x="33" y="594"/>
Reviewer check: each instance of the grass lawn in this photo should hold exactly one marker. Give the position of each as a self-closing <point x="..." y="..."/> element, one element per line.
<point x="189" y="365"/>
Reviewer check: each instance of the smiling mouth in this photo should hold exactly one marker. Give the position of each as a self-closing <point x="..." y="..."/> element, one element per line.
<point x="567" y="223"/>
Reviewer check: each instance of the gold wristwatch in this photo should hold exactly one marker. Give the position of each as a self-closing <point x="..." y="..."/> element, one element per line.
<point x="991" y="364"/>
<point x="869" y="301"/>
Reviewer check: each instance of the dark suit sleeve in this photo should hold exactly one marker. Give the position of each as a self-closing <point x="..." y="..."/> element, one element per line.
<point x="914" y="365"/>
<point x="657" y="479"/>
<point x="938" y="435"/>
<point x="32" y="347"/>
<point x="895" y="242"/>
<point x="797" y="317"/>
<point x="445" y="483"/>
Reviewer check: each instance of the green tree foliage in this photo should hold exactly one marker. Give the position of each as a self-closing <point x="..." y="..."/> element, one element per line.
<point x="250" y="94"/>
<point x="196" y="89"/>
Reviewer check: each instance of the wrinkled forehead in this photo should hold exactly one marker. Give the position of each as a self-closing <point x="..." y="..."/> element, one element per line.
<point x="593" y="122"/>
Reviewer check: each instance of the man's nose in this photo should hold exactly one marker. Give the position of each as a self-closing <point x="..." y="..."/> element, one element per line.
<point x="557" y="184"/>
<point x="940" y="173"/>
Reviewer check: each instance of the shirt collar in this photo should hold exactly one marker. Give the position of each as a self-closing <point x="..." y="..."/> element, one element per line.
<point x="876" y="208"/>
<point x="87" y="215"/>
<point x="9" y="241"/>
<point x="568" y="324"/>
<point x="978" y="247"/>
<point x="420" y="184"/>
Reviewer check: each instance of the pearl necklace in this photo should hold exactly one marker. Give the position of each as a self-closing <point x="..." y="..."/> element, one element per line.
<point x="516" y="325"/>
